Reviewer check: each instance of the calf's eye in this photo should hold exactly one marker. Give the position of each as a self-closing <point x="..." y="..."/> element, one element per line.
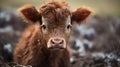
<point x="43" y="27"/>
<point x="69" y="26"/>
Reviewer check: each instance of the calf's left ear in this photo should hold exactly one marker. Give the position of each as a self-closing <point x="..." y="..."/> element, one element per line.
<point x="81" y="14"/>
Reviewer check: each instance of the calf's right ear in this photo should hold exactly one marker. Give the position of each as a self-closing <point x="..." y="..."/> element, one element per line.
<point x="29" y="14"/>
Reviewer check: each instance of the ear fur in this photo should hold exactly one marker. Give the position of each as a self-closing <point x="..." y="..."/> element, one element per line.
<point x="81" y="14"/>
<point x="29" y="13"/>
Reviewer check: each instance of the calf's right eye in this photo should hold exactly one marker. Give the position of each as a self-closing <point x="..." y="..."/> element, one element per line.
<point x="43" y="27"/>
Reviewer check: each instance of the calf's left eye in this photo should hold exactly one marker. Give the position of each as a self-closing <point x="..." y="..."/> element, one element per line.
<point x="69" y="26"/>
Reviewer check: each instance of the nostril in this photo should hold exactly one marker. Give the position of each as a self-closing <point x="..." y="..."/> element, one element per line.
<point x="52" y="42"/>
<point x="61" y="42"/>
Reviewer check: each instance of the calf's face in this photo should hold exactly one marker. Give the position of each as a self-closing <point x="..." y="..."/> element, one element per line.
<point x="56" y="33"/>
<point x="55" y="21"/>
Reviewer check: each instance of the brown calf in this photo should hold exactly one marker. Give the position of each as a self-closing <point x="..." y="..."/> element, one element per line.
<point x="45" y="43"/>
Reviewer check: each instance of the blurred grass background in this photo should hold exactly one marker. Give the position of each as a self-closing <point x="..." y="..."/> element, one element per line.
<point x="101" y="7"/>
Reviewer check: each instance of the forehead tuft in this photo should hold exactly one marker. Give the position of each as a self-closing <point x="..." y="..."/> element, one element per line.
<point x="55" y="11"/>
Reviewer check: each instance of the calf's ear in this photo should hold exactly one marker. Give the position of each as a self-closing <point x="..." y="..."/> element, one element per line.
<point x="29" y="13"/>
<point x="81" y="14"/>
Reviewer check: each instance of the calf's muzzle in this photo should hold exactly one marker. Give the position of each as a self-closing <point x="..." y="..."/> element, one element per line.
<point x="56" y="42"/>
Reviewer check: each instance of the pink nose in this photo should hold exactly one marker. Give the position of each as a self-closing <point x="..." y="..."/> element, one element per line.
<point x="57" y="42"/>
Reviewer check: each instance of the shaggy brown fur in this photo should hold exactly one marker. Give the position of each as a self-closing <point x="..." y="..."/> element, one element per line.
<point x="32" y="48"/>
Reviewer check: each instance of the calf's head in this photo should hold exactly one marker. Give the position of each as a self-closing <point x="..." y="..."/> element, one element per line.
<point x="55" y="21"/>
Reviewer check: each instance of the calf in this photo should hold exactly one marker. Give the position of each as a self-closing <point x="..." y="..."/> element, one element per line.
<point x="45" y="42"/>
